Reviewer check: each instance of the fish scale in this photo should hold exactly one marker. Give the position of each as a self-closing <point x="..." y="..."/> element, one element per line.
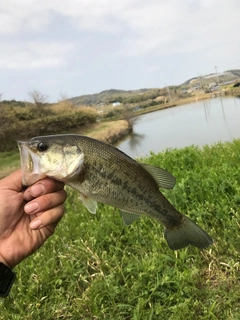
<point x="117" y="186"/>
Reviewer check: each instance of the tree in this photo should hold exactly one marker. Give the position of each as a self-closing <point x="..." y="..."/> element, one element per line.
<point x="38" y="98"/>
<point x="129" y="116"/>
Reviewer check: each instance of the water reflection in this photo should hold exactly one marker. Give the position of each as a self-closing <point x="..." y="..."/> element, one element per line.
<point x="135" y="139"/>
<point x="206" y="111"/>
<point x="198" y="123"/>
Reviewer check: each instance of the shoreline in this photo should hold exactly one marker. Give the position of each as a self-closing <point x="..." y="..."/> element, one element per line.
<point x="179" y="102"/>
<point x="114" y="131"/>
<point x="111" y="132"/>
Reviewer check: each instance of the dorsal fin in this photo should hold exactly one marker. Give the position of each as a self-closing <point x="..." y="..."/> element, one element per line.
<point x="163" y="178"/>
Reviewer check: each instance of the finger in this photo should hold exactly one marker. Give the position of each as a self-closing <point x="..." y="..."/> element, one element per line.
<point x="45" y="202"/>
<point x="41" y="187"/>
<point x="48" y="219"/>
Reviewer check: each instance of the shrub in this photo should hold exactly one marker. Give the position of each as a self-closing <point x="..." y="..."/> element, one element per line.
<point x="23" y="124"/>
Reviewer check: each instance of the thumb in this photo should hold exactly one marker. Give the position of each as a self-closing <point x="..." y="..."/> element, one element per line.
<point x="13" y="181"/>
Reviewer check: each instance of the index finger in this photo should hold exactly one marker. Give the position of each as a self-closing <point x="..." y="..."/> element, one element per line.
<point x="41" y="187"/>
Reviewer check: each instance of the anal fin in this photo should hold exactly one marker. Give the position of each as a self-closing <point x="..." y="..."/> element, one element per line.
<point x="129" y="217"/>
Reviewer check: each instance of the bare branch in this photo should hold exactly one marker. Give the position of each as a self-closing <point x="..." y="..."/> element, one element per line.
<point x="130" y="117"/>
<point x="38" y="98"/>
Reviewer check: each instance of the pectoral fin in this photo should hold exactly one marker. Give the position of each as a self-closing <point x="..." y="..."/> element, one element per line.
<point x="163" y="178"/>
<point x="129" y="217"/>
<point x="89" y="203"/>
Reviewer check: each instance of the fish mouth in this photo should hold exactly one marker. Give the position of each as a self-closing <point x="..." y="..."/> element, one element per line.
<point x="29" y="164"/>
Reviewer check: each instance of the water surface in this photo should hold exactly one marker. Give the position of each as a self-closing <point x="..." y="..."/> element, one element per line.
<point x="198" y="123"/>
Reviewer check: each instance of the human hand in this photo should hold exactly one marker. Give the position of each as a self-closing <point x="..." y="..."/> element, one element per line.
<point x="27" y="217"/>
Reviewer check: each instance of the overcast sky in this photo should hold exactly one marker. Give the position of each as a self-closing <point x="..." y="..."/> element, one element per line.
<point x="76" y="47"/>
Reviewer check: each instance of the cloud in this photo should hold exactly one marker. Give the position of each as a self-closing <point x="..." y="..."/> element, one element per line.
<point x="34" y="55"/>
<point x="176" y="27"/>
<point x="30" y="15"/>
<point x="158" y="27"/>
<point x="21" y="16"/>
<point x="127" y="42"/>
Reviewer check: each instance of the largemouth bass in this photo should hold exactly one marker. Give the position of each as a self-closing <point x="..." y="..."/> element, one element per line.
<point x="102" y="173"/>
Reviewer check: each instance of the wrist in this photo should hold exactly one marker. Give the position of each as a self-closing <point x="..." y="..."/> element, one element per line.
<point x="7" y="278"/>
<point x="5" y="262"/>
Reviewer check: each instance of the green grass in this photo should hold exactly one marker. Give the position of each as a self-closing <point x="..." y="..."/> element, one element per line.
<point x="96" y="268"/>
<point x="9" y="161"/>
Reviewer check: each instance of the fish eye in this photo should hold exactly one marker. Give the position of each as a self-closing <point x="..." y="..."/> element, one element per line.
<point x="42" y="146"/>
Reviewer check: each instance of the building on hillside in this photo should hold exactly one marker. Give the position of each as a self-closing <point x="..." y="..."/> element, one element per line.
<point x="115" y="104"/>
<point x="212" y="84"/>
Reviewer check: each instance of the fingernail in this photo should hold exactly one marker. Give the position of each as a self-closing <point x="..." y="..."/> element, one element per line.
<point x="31" y="207"/>
<point x="37" y="190"/>
<point x="35" y="224"/>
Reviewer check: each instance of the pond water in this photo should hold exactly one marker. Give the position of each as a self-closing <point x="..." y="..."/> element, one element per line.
<point x="199" y="123"/>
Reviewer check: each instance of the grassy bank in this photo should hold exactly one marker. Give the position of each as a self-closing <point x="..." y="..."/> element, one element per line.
<point x="110" y="132"/>
<point x="9" y="162"/>
<point x="96" y="268"/>
<point x="181" y="101"/>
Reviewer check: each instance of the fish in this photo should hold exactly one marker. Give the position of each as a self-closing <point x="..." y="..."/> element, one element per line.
<point x="102" y="173"/>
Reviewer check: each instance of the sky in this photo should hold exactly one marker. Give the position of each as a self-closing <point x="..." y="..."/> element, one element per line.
<point x="75" y="47"/>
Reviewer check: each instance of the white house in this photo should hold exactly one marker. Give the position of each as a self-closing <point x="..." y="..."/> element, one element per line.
<point x="115" y="104"/>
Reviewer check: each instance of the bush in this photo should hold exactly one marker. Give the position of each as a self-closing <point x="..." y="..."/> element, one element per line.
<point x="23" y="124"/>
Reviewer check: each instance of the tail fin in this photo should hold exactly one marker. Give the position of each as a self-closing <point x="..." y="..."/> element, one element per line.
<point x="187" y="234"/>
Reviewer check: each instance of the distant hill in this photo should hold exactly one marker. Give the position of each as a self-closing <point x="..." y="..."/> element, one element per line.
<point x="226" y="76"/>
<point x="236" y="72"/>
<point x="113" y="95"/>
<point x="129" y="96"/>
